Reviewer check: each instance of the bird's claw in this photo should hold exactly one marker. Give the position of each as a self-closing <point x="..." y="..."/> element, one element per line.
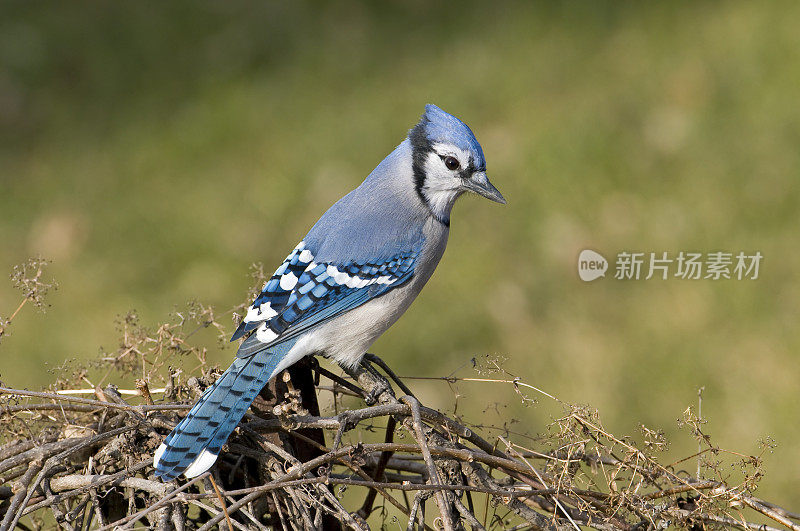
<point x="374" y="394"/>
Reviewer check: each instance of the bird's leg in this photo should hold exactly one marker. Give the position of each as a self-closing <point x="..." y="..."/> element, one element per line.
<point x="372" y="358"/>
<point x="313" y="364"/>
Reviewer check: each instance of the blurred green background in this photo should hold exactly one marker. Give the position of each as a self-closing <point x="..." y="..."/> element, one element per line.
<point x="154" y="151"/>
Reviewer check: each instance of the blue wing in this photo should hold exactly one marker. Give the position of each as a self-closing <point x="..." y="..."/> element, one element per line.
<point x="276" y="291"/>
<point x="303" y="294"/>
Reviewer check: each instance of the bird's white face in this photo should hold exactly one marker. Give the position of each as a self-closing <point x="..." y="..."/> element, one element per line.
<point x="445" y="172"/>
<point x="449" y="172"/>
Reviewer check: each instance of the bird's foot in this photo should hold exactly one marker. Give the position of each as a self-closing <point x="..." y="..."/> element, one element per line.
<point x="380" y="387"/>
<point x="374" y="387"/>
<point x="378" y="383"/>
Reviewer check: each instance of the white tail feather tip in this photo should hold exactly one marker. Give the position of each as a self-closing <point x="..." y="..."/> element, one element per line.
<point x="158" y="454"/>
<point x="202" y="463"/>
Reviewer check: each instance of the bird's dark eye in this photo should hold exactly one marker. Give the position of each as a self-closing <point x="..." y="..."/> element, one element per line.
<point x="451" y="162"/>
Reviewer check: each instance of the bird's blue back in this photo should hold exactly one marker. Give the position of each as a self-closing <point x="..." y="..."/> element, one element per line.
<point x="373" y="222"/>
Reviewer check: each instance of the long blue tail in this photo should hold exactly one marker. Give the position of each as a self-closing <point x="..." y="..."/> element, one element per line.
<point x="195" y="443"/>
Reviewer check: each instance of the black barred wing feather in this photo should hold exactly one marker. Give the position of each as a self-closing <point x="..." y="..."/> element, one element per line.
<point x="276" y="290"/>
<point x="322" y="291"/>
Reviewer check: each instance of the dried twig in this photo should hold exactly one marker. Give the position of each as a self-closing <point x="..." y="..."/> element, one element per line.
<point x="87" y="463"/>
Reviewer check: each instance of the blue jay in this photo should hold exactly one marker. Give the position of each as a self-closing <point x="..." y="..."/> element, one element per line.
<point x="353" y="275"/>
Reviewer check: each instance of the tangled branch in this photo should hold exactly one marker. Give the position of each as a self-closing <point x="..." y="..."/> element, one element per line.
<point x="80" y="454"/>
<point x="96" y="471"/>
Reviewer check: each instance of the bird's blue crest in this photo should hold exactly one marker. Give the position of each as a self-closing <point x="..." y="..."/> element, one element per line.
<point x="440" y="126"/>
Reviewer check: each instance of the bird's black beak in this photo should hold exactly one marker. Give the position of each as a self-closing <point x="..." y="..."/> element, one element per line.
<point x="479" y="183"/>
